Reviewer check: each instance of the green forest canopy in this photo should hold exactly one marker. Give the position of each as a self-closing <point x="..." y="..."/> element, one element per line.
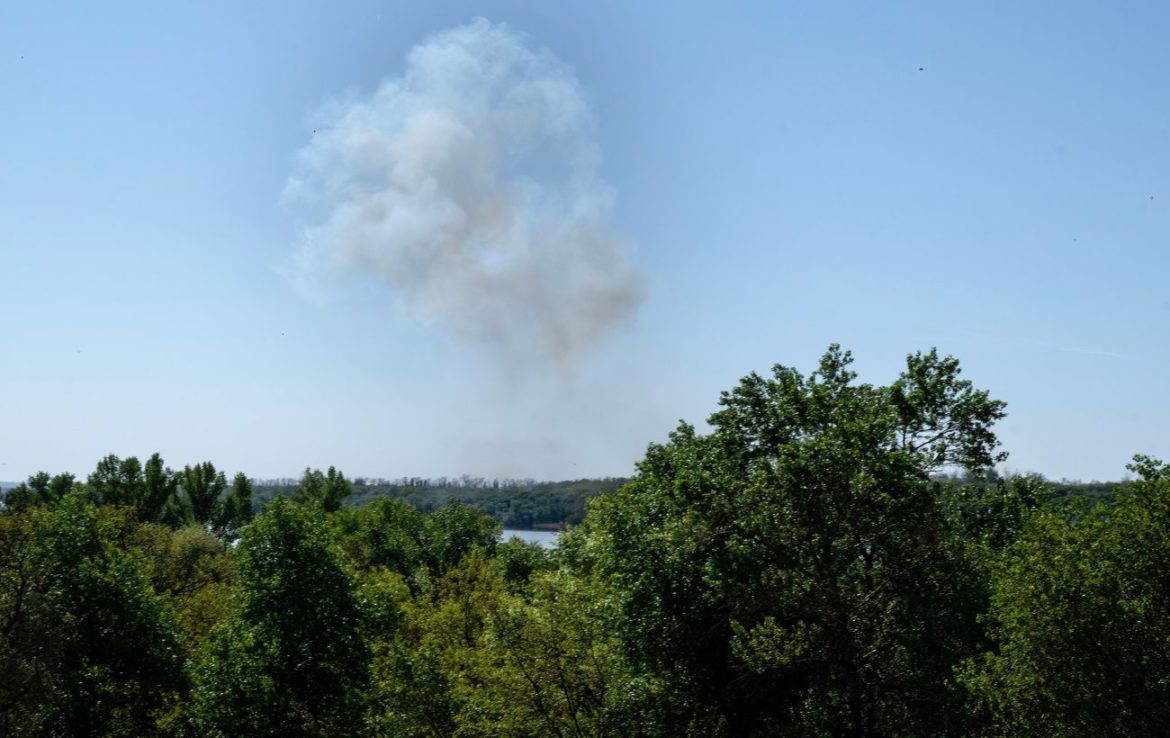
<point x="832" y="558"/>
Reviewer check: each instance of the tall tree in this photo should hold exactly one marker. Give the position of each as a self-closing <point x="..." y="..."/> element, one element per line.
<point x="237" y="508"/>
<point x="337" y="490"/>
<point x="159" y="485"/>
<point x="202" y="489"/>
<point x="790" y="572"/>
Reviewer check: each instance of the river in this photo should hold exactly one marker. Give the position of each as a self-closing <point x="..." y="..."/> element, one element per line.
<point x="546" y="538"/>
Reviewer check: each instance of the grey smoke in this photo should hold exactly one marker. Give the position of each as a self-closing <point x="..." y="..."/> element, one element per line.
<point x="470" y="185"/>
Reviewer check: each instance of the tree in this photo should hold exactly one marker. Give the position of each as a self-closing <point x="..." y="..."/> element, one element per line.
<point x="328" y="490"/>
<point x="159" y="485"/>
<point x="454" y="531"/>
<point x="311" y="487"/>
<point x="40" y="489"/>
<point x="388" y="534"/>
<point x="237" y="508"/>
<point x="520" y="560"/>
<point x="191" y="569"/>
<point x="50" y="489"/>
<point x="30" y="634"/>
<point x="88" y="648"/>
<point x="20" y="498"/>
<point x="1080" y="614"/>
<point x="116" y="481"/>
<point x="992" y="513"/>
<point x="202" y="488"/>
<point x="292" y="661"/>
<point x="790" y="572"/>
<point x="551" y="665"/>
<point x="422" y="674"/>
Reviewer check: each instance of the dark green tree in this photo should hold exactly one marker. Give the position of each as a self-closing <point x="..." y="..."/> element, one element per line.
<point x="791" y="572"/>
<point x="292" y="661"/>
<point x="40" y="489"/>
<point x="311" y="488"/>
<point x="159" y="485"/>
<point x="202" y="488"/>
<point x="20" y="498"/>
<point x="38" y="484"/>
<point x="90" y="648"/>
<point x="329" y="490"/>
<point x="418" y="547"/>
<point x="1081" y="620"/>
<point x="520" y="560"/>
<point x="116" y="481"/>
<point x="236" y="511"/>
<point x="59" y="486"/>
<point x="30" y="633"/>
<point x="176" y="513"/>
<point x="337" y="490"/>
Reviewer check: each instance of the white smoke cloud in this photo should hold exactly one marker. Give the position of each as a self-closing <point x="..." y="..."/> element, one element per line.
<point x="470" y="185"/>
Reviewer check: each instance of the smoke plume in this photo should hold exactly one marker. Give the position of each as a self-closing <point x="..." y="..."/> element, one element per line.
<point x="470" y="186"/>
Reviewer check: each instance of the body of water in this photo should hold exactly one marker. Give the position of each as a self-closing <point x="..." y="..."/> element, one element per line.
<point x="546" y="538"/>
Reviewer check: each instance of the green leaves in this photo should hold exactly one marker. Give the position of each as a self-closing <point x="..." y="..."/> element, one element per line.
<point x="202" y="486"/>
<point x="798" y="570"/>
<point x="1079" y="617"/>
<point x="159" y="485"/>
<point x="292" y="662"/>
<point x="155" y="493"/>
<point x="87" y="647"/>
<point x="328" y="490"/>
<point x="945" y="419"/>
<point x="236" y="511"/>
<point x="791" y="571"/>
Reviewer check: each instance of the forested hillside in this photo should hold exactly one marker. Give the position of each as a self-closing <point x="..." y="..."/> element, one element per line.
<point x="832" y="558"/>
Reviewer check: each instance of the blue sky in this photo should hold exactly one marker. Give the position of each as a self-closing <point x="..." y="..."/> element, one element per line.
<point x="992" y="179"/>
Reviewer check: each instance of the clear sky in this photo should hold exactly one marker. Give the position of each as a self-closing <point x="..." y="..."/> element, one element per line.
<point x="989" y="178"/>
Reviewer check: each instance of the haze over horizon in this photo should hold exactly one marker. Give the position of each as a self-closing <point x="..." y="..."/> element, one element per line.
<point x="518" y="240"/>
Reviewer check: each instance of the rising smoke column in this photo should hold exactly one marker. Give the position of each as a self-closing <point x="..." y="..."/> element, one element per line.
<point x="470" y="186"/>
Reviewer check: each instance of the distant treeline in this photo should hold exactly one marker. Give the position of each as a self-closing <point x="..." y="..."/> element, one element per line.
<point x="514" y="503"/>
<point x="531" y="504"/>
<point x="1056" y="493"/>
<point x="536" y="505"/>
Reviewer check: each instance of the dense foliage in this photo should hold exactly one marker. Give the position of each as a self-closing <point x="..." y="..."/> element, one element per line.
<point x="832" y="558"/>
<point x="514" y="503"/>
